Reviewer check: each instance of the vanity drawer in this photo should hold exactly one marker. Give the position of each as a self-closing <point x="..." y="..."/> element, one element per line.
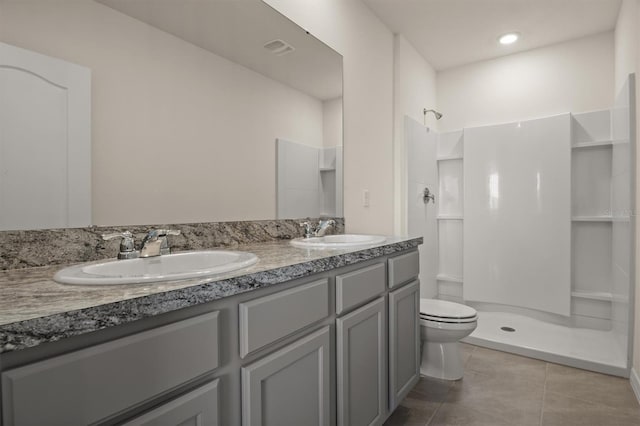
<point x="403" y="268"/>
<point x="91" y="384"/>
<point x="359" y="286"/>
<point x="269" y="318"/>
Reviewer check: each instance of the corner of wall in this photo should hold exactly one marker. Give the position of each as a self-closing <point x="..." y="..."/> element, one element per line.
<point x="634" y="379"/>
<point x="626" y="42"/>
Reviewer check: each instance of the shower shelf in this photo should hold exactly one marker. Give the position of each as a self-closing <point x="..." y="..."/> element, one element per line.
<point x="449" y="278"/>
<point x="600" y="219"/>
<point x="592" y="219"/>
<point x="449" y="217"/>
<point x="593" y="295"/>
<point x="449" y="157"/>
<point x="593" y="144"/>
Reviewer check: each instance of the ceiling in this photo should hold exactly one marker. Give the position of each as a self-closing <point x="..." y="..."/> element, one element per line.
<point x="221" y="27"/>
<point x="450" y="33"/>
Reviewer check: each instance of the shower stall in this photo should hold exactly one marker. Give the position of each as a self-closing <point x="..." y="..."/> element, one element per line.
<point x="533" y="225"/>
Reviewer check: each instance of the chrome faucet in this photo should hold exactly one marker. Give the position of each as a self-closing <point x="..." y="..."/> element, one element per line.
<point x="319" y="231"/>
<point x="155" y="243"/>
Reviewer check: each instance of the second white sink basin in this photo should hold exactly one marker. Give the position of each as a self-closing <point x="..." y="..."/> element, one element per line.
<point x="159" y="268"/>
<point x="338" y="241"/>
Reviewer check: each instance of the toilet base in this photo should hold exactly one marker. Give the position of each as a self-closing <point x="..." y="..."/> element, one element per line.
<point x="441" y="361"/>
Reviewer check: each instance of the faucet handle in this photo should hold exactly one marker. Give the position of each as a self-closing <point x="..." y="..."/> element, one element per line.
<point x="127" y="245"/>
<point x="155" y="242"/>
<point x="125" y="234"/>
<point x="164" y="245"/>
<point x="165" y="232"/>
<point x="326" y="222"/>
<point x="323" y="224"/>
<point x="306" y="226"/>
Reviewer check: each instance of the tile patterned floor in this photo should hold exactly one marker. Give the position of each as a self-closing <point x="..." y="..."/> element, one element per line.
<point x="500" y="389"/>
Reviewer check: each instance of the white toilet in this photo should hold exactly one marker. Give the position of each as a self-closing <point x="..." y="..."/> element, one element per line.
<point x="442" y="325"/>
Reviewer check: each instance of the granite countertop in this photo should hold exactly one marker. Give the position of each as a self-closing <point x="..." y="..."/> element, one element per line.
<point x="34" y="309"/>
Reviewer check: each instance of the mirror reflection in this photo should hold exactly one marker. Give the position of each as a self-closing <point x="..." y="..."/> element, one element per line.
<point x="124" y="112"/>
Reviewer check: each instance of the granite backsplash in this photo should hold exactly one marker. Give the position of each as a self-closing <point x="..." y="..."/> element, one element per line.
<point x="33" y="248"/>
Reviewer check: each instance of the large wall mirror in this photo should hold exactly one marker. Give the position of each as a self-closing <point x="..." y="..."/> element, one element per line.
<point x="196" y="111"/>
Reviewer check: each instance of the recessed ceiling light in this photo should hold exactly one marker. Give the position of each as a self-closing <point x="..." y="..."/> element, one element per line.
<point x="508" y="38"/>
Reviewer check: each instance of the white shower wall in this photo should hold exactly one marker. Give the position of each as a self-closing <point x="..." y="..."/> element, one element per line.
<point x="600" y="235"/>
<point x="421" y="220"/>
<point x="592" y="239"/>
<point x="517" y="199"/>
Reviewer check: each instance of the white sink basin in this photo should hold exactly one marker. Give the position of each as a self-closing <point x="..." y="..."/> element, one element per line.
<point x="338" y="241"/>
<point x="168" y="267"/>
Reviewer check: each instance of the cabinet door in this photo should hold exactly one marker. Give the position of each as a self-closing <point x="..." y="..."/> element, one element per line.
<point x="404" y="341"/>
<point x="290" y="386"/>
<point x="196" y="408"/>
<point x="361" y="366"/>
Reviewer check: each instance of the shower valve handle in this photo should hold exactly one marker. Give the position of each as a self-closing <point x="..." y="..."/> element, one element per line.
<point x="427" y="195"/>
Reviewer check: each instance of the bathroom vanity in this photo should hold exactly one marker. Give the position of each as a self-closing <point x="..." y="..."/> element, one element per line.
<point x="303" y="337"/>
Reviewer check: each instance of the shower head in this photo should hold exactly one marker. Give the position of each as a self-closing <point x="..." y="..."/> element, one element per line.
<point x="436" y="113"/>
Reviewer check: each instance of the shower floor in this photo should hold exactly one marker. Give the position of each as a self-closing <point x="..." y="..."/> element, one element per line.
<point x="594" y="350"/>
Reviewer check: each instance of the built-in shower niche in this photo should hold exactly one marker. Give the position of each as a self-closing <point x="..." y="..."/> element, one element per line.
<point x="592" y="219"/>
<point x="591" y="274"/>
<point x="330" y="160"/>
<point x="450" y="215"/>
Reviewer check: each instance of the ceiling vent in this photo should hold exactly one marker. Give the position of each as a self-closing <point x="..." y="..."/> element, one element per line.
<point x="279" y="47"/>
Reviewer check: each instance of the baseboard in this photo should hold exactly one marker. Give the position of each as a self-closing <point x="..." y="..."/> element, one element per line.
<point x="635" y="383"/>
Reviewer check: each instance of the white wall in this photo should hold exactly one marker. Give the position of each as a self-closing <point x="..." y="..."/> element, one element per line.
<point x="636" y="327"/>
<point x="414" y="90"/>
<point x="173" y="124"/>
<point x="332" y="122"/>
<point x="625" y="37"/>
<point x="350" y="28"/>
<point x="574" y="76"/>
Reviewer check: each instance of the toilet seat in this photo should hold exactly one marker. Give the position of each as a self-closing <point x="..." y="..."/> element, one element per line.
<point x="448" y="320"/>
<point x="446" y="312"/>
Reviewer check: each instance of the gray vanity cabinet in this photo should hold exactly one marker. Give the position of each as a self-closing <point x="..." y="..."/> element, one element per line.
<point x="197" y="408"/>
<point x="361" y="365"/>
<point x="340" y="346"/>
<point x="404" y="341"/>
<point x="290" y="386"/>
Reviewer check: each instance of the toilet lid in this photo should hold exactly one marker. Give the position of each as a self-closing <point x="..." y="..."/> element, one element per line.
<point x="442" y="309"/>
